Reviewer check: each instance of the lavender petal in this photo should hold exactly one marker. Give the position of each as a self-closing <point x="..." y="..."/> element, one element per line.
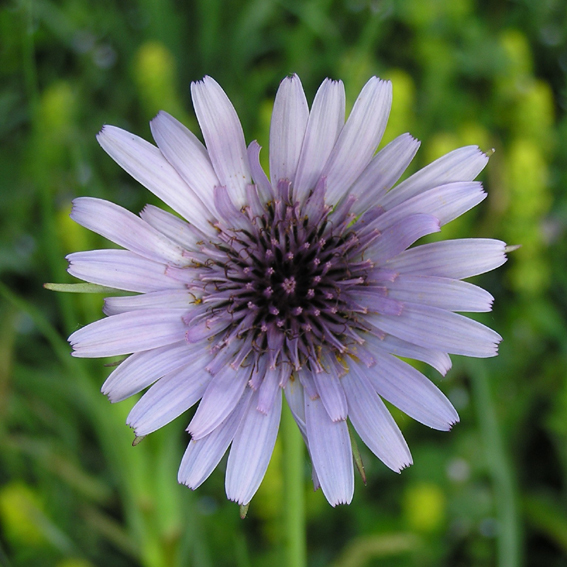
<point x="326" y="121"/>
<point x="142" y="369"/>
<point x="431" y="327"/>
<point x="462" y="164"/>
<point x="120" y="269"/>
<point x="287" y="129"/>
<point x="145" y="163"/>
<point x="251" y="451"/>
<point x="223" y="136"/>
<point x="386" y="167"/>
<point x="187" y="155"/>
<point x="169" y="397"/>
<point x="410" y="391"/>
<point x="458" y="259"/>
<point x="219" y="400"/>
<point x="128" y="332"/>
<point x="359" y="138"/>
<point x="203" y="455"/>
<point x="331" y="453"/>
<point x="373" y="421"/>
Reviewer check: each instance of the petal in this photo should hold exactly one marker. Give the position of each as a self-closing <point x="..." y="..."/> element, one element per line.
<point x="374" y="302"/>
<point x="445" y="293"/>
<point x="251" y="451"/>
<point x="462" y="164"/>
<point x="458" y="259"/>
<point x="410" y="391"/>
<point x="126" y="229"/>
<point x="386" y="167"/>
<point x="145" y="163"/>
<point x="326" y="120"/>
<point x="430" y="327"/>
<point x="169" y="397"/>
<point x="331" y="453"/>
<point x="174" y="299"/>
<point x="373" y="421"/>
<point x="269" y="390"/>
<point x="219" y="400"/>
<point x="203" y="455"/>
<point x="259" y="177"/>
<point x="446" y="202"/>
<point x="359" y="138"/>
<point x="120" y="269"/>
<point x="287" y="129"/>
<point x="436" y="359"/>
<point x="187" y="155"/>
<point x="173" y="227"/>
<point x="397" y="237"/>
<point x="140" y="370"/>
<point x="128" y="332"/>
<point x="294" y="395"/>
<point x="332" y="394"/>
<point x="223" y="135"/>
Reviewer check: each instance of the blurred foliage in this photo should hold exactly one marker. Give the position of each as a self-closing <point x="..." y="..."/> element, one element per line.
<point x="73" y="492"/>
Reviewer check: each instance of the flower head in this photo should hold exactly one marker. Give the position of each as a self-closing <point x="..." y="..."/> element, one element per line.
<point x="303" y="283"/>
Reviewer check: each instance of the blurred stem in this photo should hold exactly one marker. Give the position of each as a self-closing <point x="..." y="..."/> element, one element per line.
<point x="4" y="561"/>
<point x="294" y="504"/>
<point x="29" y="67"/>
<point x="509" y="550"/>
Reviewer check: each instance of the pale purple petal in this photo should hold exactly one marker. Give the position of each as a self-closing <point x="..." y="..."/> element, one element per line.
<point x="373" y="421"/>
<point x="329" y="387"/>
<point x="145" y="163"/>
<point x="289" y="120"/>
<point x="223" y="135"/>
<point x="434" y="328"/>
<point x="128" y="332"/>
<point x="219" y="400"/>
<point x="203" y="455"/>
<point x="169" y="397"/>
<point x="187" y="155"/>
<point x="458" y="259"/>
<point x="142" y="369"/>
<point x="251" y="451"/>
<point x="258" y="175"/>
<point x="386" y="167"/>
<point x="389" y="344"/>
<point x="326" y="120"/>
<point x="173" y="227"/>
<point x="462" y="164"/>
<point x="410" y="391"/>
<point x="397" y="237"/>
<point x="331" y="453"/>
<point x="359" y="138"/>
<point x="375" y="302"/>
<point x="269" y="390"/>
<point x="294" y="394"/>
<point x="445" y="293"/>
<point x="446" y="202"/>
<point x="174" y="299"/>
<point x="127" y="230"/>
<point x="120" y="269"/>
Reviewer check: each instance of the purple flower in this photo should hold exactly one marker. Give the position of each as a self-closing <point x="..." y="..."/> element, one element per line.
<point x="303" y="283"/>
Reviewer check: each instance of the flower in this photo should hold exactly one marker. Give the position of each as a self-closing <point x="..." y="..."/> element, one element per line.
<point x="304" y="283"/>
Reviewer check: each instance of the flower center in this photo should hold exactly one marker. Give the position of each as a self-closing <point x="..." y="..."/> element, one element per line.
<point x="285" y="283"/>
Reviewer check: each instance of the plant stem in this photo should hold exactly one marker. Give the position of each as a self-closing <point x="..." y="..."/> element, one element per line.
<point x="294" y="503"/>
<point x="509" y="547"/>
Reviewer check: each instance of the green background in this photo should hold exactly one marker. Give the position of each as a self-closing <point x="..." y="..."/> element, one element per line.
<point x="73" y="491"/>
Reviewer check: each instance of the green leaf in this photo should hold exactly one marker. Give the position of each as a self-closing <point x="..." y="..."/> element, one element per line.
<point x="79" y="288"/>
